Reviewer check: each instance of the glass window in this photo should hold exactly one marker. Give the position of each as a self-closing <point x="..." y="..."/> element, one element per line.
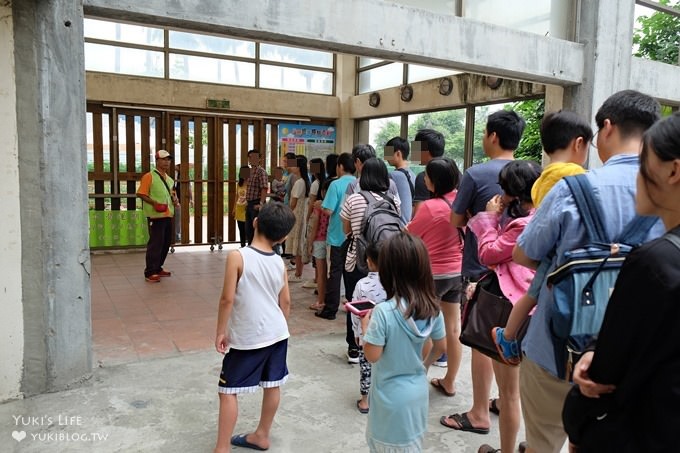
<point x="533" y="16"/>
<point x="203" y="69"/>
<point x="211" y="44"/>
<point x="295" y="55"/>
<point x="114" y="31"/>
<point x="121" y="60"/>
<point x="294" y="79"/>
<point x="417" y="73"/>
<point x="365" y="61"/>
<point x="381" y="130"/>
<point x="391" y="75"/>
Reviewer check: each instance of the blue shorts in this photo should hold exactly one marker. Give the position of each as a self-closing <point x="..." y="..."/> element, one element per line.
<point x="245" y="370"/>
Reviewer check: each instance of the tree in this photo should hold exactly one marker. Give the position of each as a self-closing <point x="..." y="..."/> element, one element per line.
<point x="658" y="36"/>
<point x="390" y="130"/>
<point x="530" y="147"/>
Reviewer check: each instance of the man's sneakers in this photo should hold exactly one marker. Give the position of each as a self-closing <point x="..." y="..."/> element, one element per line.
<point x="352" y="355"/>
<point x="507" y="349"/>
<point x="442" y="361"/>
<point x="156" y="278"/>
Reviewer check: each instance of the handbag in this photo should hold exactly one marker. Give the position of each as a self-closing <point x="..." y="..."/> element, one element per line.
<point x="488" y="308"/>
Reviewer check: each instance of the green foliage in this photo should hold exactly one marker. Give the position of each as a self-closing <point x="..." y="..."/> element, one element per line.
<point x="530" y="147"/>
<point x="451" y="123"/>
<point x="388" y="132"/>
<point x="658" y="36"/>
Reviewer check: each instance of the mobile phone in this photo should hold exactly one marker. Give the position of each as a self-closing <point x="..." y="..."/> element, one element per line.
<point x="360" y="306"/>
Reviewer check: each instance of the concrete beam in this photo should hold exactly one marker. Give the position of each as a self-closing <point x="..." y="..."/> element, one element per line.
<point x="125" y="89"/>
<point x="656" y="79"/>
<point x="469" y="89"/>
<point x="408" y="34"/>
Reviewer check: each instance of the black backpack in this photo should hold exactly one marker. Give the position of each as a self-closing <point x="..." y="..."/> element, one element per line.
<point x="381" y="220"/>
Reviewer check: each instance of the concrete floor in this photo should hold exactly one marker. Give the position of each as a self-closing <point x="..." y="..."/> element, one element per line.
<point x="165" y="399"/>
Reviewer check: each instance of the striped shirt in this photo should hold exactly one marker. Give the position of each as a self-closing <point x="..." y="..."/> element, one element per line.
<point x="354" y="210"/>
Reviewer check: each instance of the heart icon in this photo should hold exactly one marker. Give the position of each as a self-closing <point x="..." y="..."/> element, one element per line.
<point x="19" y="435"/>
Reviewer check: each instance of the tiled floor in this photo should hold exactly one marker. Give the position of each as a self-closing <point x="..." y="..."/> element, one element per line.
<point x="134" y="320"/>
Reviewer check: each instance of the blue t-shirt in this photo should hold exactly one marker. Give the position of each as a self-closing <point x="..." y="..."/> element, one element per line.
<point x="335" y="197"/>
<point x="556" y="226"/>
<point x="478" y="186"/>
<point x="404" y="190"/>
<point x="399" y="392"/>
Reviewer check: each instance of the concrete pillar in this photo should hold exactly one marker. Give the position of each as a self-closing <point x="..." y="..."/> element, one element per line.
<point x="55" y="260"/>
<point x="345" y="88"/>
<point x="11" y="316"/>
<point x="606" y="29"/>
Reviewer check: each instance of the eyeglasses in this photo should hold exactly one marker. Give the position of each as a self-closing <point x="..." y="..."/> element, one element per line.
<point x="593" y="141"/>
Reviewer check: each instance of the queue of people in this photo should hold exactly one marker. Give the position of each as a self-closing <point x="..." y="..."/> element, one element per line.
<point x="504" y="220"/>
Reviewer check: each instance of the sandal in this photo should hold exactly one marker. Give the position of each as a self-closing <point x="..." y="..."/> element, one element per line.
<point x="463" y="423"/>
<point x="493" y="406"/>
<point x="437" y="383"/>
<point x="316" y="306"/>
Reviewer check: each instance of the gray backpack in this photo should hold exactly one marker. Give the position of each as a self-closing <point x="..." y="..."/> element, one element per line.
<point x="381" y="220"/>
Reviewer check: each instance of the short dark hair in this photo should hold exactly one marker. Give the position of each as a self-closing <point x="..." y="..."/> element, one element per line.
<point x="331" y="163"/>
<point x="631" y="111"/>
<point x="662" y="139"/>
<point x="373" y="252"/>
<point x="362" y="152"/>
<point x="432" y="141"/>
<point x="508" y="126"/>
<point x="399" y="144"/>
<point x="275" y="220"/>
<point x="558" y="129"/>
<point x="406" y="273"/>
<point x="374" y="176"/>
<point x="347" y="163"/>
<point x="289" y="155"/>
<point x="516" y="179"/>
<point x="444" y="174"/>
<point x="253" y="151"/>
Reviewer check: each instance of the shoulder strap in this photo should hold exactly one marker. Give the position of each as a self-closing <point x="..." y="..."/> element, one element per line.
<point x="163" y="179"/>
<point x="673" y="239"/>
<point x="589" y="208"/>
<point x="635" y="232"/>
<point x="408" y="178"/>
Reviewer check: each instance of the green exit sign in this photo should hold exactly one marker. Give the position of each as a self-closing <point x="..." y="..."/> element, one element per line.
<point x="218" y="104"/>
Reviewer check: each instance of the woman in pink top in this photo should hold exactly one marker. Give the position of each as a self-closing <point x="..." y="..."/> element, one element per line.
<point x="497" y="230"/>
<point x="445" y="246"/>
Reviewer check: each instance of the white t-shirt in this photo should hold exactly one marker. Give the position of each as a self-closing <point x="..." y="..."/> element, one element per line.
<point x="257" y="320"/>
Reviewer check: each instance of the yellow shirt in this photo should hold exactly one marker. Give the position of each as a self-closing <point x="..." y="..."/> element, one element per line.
<point x="549" y="177"/>
<point x="240" y="209"/>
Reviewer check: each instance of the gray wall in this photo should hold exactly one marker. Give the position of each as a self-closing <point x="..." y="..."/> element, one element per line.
<point x="55" y="262"/>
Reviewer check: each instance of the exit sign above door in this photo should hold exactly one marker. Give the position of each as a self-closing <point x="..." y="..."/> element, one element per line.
<point x="218" y="104"/>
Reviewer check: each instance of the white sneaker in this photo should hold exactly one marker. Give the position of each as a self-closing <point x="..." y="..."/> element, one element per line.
<point x="290" y="267"/>
<point x="294" y="278"/>
<point x="309" y="284"/>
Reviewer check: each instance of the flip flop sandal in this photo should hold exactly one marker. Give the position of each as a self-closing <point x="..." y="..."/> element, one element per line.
<point x="493" y="407"/>
<point x="242" y="441"/>
<point x="463" y="424"/>
<point x="437" y="383"/>
<point x="363" y="410"/>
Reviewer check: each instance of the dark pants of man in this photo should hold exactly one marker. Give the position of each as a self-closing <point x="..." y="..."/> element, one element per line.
<point x="332" y="297"/>
<point x="351" y="279"/>
<point x="160" y="238"/>
<point x="251" y="214"/>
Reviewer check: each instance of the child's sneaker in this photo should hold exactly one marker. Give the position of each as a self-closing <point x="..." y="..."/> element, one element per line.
<point x="442" y="361"/>
<point x="507" y="349"/>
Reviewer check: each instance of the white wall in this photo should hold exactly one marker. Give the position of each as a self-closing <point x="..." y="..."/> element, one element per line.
<point x="11" y="314"/>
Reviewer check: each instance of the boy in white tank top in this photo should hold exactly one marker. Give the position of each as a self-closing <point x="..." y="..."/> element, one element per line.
<point x="252" y="328"/>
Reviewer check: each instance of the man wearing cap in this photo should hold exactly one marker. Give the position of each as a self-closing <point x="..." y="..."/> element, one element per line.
<point x="158" y="204"/>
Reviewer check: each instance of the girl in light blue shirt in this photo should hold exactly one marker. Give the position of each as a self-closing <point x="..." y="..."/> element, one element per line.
<point x="393" y="342"/>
